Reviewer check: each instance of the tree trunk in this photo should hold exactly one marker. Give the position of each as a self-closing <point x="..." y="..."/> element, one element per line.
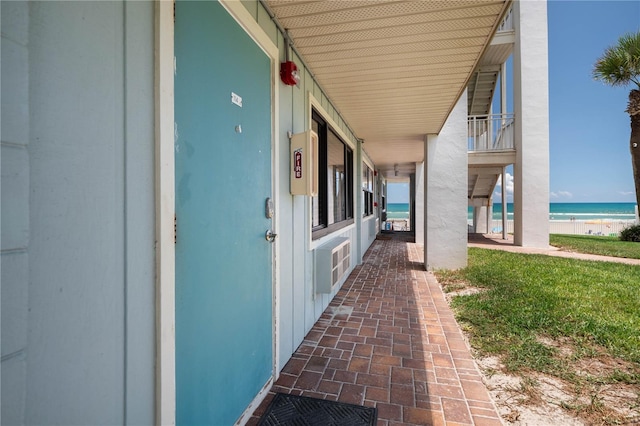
<point x="634" y="143"/>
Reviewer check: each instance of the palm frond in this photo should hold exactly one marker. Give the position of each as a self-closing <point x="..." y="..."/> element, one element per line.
<point x="620" y="64"/>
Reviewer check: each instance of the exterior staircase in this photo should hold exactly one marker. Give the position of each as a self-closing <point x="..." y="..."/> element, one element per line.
<point x="490" y="136"/>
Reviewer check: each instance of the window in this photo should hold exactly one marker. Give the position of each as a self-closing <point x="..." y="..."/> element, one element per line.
<point x="332" y="208"/>
<point x="367" y="190"/>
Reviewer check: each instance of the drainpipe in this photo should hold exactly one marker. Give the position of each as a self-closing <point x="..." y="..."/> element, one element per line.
<point x="503" y="110"/>
<point x="503" y="92"/>
<point x="504" y="203"/>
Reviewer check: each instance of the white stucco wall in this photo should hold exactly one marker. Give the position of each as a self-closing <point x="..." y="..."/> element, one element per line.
<point x="445" y="183"/>
<point x="78" y="240"/>
<point x="531" y="107"/>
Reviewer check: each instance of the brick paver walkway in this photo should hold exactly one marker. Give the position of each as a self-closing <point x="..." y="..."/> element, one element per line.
<point x="389" y="339"/>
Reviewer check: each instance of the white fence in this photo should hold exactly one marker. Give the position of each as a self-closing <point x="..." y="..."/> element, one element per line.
<point x="576" y="227"/>
<point x="396" y="225"/>
<point x="507" y="22"/>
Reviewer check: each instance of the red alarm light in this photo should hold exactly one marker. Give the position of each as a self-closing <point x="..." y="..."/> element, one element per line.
<point x="289" y="73"/>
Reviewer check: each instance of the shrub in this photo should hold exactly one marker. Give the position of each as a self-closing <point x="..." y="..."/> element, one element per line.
<point x="631" y="233"/>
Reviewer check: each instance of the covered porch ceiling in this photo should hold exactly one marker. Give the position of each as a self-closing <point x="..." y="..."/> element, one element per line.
<point x="393" y="68"/>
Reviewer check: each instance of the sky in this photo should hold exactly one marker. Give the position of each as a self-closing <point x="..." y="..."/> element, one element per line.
<point x="589" y="159"/>
<point x="588" y="127"/>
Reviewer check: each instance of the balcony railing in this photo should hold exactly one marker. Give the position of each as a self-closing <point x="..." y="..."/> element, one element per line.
<point x="492" y="132"/>
<point x="507" y="22"/>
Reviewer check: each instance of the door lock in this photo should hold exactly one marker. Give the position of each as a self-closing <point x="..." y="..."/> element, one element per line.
<point x="270" y="236"/>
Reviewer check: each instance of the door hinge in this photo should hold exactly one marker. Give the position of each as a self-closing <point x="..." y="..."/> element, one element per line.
<point x="175" y="229"/>
<point x="174" y="12"/>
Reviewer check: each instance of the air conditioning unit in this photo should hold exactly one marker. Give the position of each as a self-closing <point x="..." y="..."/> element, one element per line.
<point x="304" y="160"/>
<point x="332" y="262"/>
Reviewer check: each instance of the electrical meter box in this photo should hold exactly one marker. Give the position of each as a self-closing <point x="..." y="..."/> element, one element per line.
<point x="304" y="161"/>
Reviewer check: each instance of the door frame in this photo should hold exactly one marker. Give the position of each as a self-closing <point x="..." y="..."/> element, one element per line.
<point x="165" y="399"/>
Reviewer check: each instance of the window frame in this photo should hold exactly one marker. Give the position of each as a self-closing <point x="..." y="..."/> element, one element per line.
<point x="323" y="228"/>
<point x="368" y="189"/>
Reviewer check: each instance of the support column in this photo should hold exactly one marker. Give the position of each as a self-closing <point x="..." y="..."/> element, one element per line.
<point x="386" y="202"/>
<point x="445" y="189"/>
<point x="419" y="202"/>
<point x="412" y="202"/>
<point x="531" y="107"/>
<point x="482" y="219"/>
<point x="359" y="208"/>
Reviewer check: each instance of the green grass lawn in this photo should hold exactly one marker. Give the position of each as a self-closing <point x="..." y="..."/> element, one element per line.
<point x="550" y="315"/>
<point x="595" y="306"/>
<point x="605" y="246"/>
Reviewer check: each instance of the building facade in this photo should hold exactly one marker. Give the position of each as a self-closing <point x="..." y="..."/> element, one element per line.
<point x="158" y="265"/>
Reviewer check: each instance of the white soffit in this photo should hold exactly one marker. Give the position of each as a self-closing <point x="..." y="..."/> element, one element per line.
<point x="394" y="69"/>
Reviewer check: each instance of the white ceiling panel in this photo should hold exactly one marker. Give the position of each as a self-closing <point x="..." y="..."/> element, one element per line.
<point x="394" y="69"/>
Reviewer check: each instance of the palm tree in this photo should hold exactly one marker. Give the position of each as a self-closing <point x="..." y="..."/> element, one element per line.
<point x="620" y="66"/>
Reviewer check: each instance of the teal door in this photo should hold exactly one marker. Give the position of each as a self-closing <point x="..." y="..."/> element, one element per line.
<point x="224" y="325"/>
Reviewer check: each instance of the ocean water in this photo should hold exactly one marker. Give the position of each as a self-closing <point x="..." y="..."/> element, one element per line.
<point x="398" y="210"/>
<point x="557" y="211"/>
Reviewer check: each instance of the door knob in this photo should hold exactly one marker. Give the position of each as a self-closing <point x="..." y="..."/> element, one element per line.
<point x="270" y="236"/>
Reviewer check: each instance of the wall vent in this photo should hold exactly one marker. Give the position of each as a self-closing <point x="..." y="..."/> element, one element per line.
<point x="332" y="262"/>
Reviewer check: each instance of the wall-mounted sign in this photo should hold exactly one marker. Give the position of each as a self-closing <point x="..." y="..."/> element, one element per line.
<point x="236" y="99"/>
<point x="297" y="163"/>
